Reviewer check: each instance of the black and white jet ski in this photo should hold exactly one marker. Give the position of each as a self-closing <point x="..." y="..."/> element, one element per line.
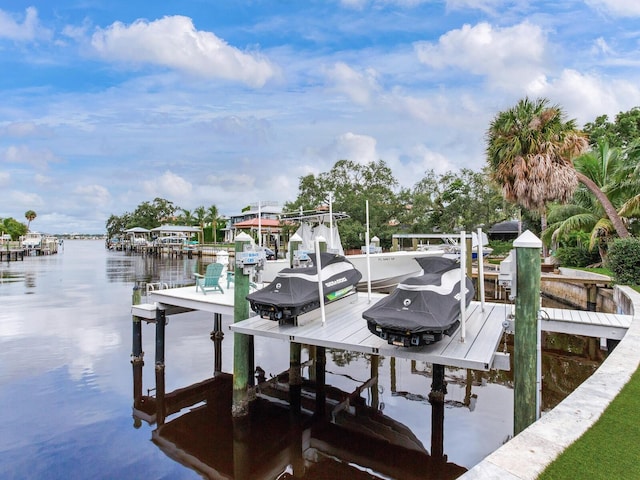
<point x="422" y="308"/>
<point x="294" y="291"/>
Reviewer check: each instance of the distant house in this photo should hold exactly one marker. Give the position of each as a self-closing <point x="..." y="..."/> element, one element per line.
<point x="507" y="230"/>
<point x="259" y="219"/>
<point x="183" y="233"/>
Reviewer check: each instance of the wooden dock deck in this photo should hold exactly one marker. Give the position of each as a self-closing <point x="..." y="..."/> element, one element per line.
<point x="345" y="328"/>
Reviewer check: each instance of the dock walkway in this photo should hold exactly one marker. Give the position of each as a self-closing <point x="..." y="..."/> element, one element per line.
<point x="345" y="328"/>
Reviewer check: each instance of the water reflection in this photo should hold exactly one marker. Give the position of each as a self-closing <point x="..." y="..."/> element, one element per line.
<point x="343" y="438"/>
<point x="169" y="270"/>
<point x="66" y="380"/>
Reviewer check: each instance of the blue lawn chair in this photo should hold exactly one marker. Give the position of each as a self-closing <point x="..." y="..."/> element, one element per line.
<point x="211" y="278"/>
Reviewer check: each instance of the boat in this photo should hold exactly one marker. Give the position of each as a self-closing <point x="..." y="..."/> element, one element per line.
<point x="32" y="240"/>
<point x="451" y="246"/>
<point x="386" y="269"/>
<point x="424" y="308"/>
<point x="295" y="291"/>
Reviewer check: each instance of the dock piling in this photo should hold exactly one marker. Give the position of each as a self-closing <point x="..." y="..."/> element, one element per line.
<point x="217" y="335"/>
<point x="242" y="344"/>
<point x="136" y="348"/>
<point x="526" y="336"/>
<point x="161" y="322"/>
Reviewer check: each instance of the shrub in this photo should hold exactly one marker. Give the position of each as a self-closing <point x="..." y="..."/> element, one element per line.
<point x="623" y="259"/>
<point x="576" y="256"/>
<point x="500" y="247"/>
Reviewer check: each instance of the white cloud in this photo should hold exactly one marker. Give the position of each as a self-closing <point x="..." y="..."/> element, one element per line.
<point x="175" y="43"/>
<point x="30" y="29"/>
<point x="427" y="159"/>
<point x="360" y="4"/>
<point x="22" y="154"/>
<point x="359" y="86"/>
<point x="620" y="8"/>
<point x="354" y="4"/>
<point x="489" y="6"/>
<point x="586" y="96"/>
<point x="354" y="147"/>
<point x="23" y="129"/>
<point x="169" y="185"/>
<point x="508" y="57"/>
<point x="5" y="178"/>
<point x="93" y="194"/>
<point x="42" y="179"/>
<point x="22" y="201"/>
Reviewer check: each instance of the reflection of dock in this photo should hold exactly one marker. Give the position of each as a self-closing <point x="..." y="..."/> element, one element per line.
<point x="274" y="439"/>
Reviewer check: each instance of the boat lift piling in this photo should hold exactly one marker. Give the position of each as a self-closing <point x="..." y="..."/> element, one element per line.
<point x="243" y="357"/>
<point x="527" y="335"/>
<point x="295" y="349"/>
<point x="463" y="286"/>
<point x="136" y="338"/>
<point x="137" y="355"/>
<point x="480" y="268"/>
<point x="217" y="335"/>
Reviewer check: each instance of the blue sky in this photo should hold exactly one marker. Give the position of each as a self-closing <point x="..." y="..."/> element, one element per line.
<point x="220" y="102"/>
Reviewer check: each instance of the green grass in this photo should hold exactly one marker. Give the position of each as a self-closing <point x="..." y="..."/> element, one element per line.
<point x="610" y="449"/>
<point x="600" y="270"/>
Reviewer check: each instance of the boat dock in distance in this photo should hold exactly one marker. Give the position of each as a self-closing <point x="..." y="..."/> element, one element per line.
<point x="344" y="327"/>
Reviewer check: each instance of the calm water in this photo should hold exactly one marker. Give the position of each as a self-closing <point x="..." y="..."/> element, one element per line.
<point x="66" y="389"/>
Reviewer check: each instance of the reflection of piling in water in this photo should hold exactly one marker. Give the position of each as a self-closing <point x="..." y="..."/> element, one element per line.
<point x="436" y="399"/>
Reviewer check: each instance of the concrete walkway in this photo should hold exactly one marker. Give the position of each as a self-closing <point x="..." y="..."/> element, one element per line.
<point x="527" y="455"/>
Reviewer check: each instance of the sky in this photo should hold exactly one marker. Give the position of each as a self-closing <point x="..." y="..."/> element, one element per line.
<point x="107" y="104"/>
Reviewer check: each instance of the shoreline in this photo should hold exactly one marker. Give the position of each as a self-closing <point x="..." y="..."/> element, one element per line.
<point x="528" y="454"/>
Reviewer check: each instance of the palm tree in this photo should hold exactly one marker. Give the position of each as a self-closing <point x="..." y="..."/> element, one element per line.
<point x="201" y="214"/>
<point x="615" y="171"/>
<point x="213" y="218"/>
<point x="30" y="215"/>
<point x="530" y="151"/>
<point x="187" y="217"/>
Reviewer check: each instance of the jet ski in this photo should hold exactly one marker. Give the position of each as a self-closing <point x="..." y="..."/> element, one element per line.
<point x="422" y="308"/>
<point x="294" y="291"/>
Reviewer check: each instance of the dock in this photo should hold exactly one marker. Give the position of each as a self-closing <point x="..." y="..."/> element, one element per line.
<point x="345" y="329"/>
<point x="10" y="254"/>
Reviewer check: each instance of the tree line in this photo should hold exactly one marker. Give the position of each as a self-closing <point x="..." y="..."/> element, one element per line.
<point x="160" y="211"/>
<point x="14" y="228"/>
<point x="567" y="185"/>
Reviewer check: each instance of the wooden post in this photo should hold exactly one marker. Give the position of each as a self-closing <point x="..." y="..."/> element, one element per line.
<point x="295" y="379"/>
<point x="592" y="297"/>
<point x="136" y="337"/>
<point x="161" y="322"/>
<point x="295" y="349"/>
<point x="160" y="395"/>
<point x="137" y="355"/>
<point x="294" y="245"/>
<point x="527" y="302"/>
<point x="241" y="342"/>
<point x="375" y="397"/>
<point x="436" y="399"/>
<point x="217" y="335"/>
<point x="242" y="454"/>
<point x="321" y="394"/>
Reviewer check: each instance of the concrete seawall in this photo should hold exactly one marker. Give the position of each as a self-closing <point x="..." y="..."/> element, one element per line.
<point x="528" y="454"/>
<point x="575" y="294"/>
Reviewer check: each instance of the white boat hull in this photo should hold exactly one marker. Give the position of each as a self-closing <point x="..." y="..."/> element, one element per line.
<point x="387" y="269"/>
